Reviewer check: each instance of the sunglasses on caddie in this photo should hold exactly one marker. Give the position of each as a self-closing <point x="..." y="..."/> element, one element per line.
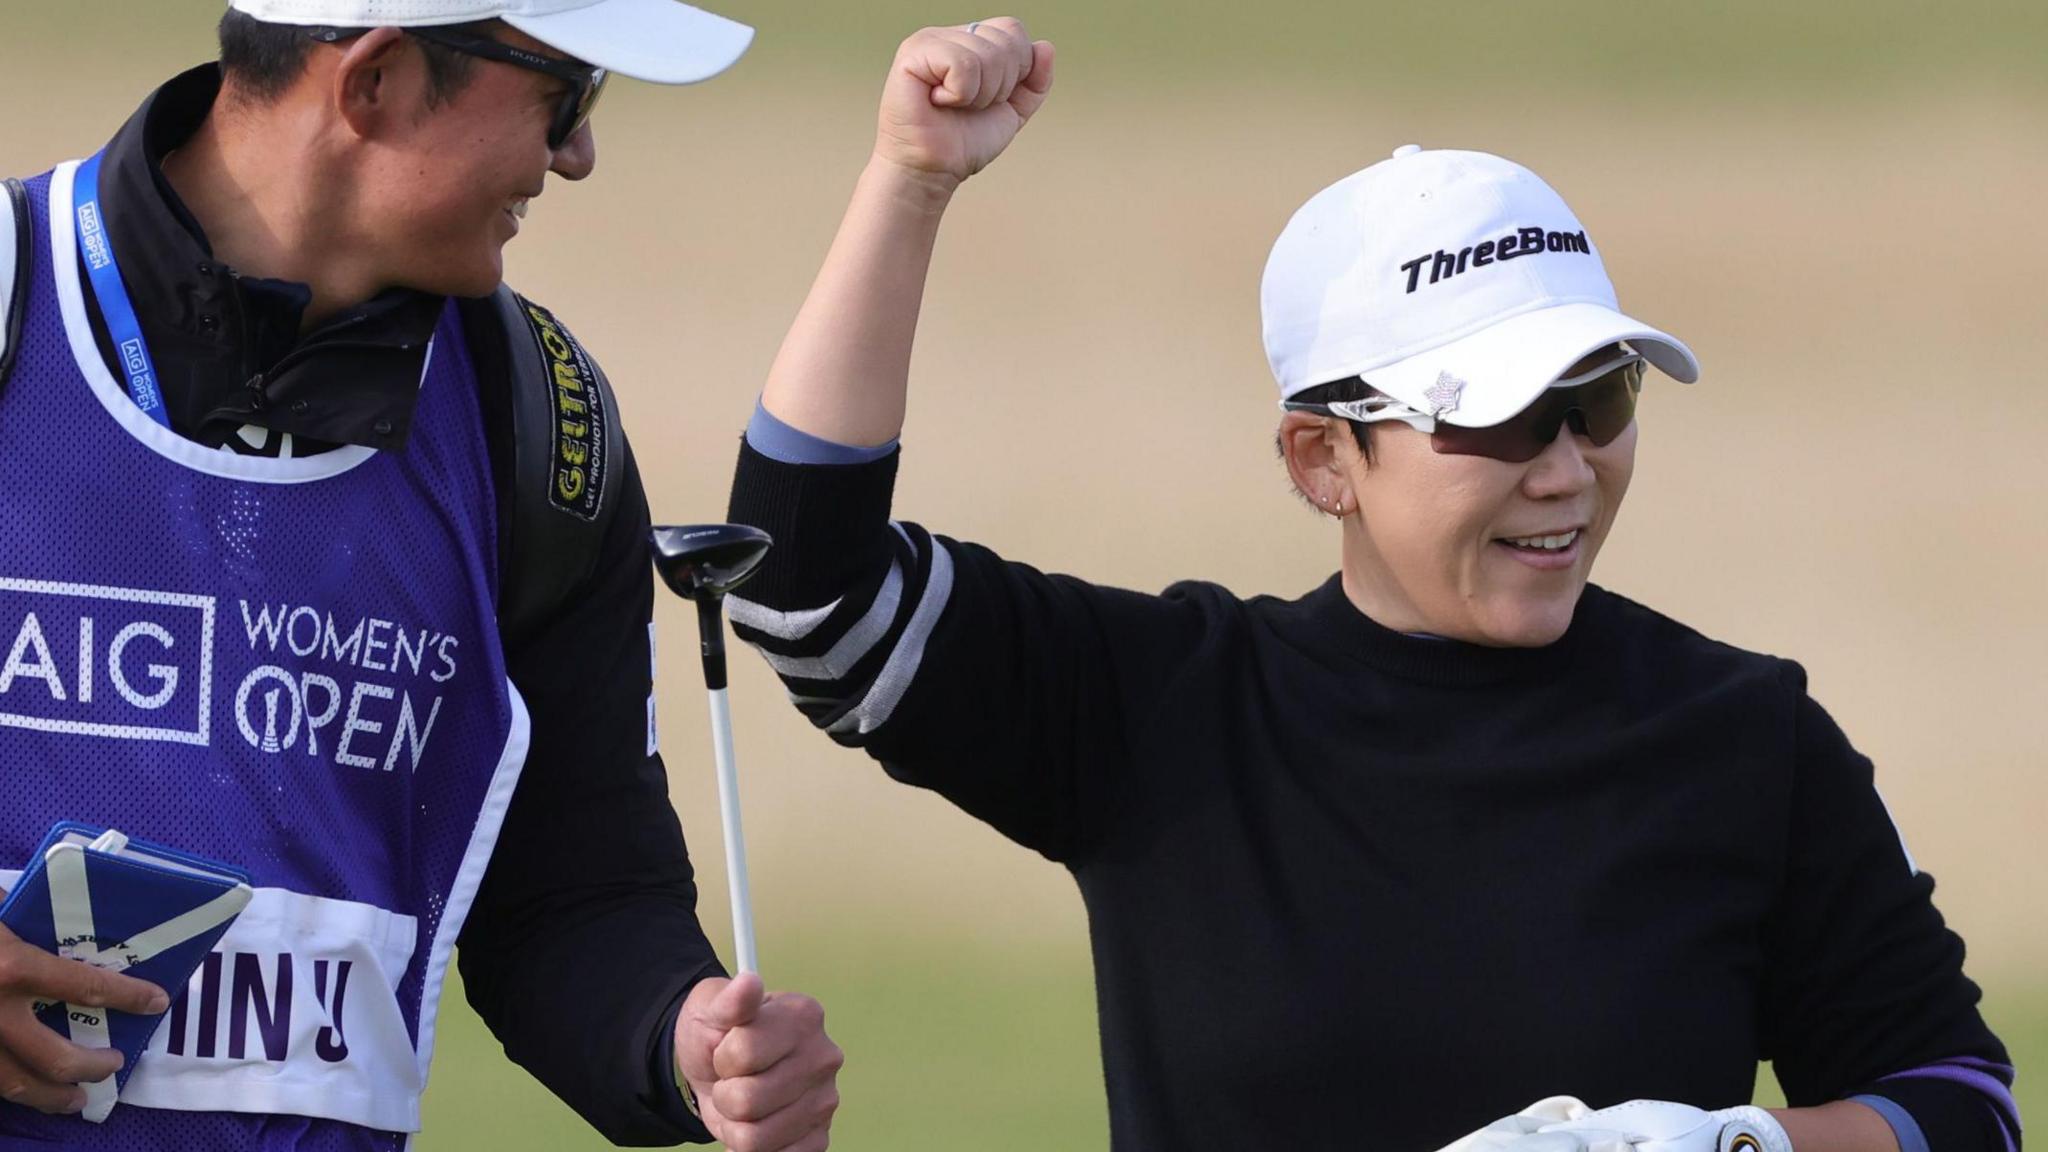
<point x="1598" y="405"/>
<point x="572" y="111"/>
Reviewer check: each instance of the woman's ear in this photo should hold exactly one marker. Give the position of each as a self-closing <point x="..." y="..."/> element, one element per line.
<point x="363" y="89"/>
<point x="1320" y="454"/>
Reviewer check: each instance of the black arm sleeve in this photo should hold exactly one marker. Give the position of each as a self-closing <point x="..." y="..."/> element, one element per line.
<point x="1864" y="980"/>
<point x="1002" y="688"/>
<point x="584" y="937"/>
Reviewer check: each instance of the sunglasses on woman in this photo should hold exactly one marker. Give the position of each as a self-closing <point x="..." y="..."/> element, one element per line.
<point x="1598" y="405"/>
<point x="586" y="82"/>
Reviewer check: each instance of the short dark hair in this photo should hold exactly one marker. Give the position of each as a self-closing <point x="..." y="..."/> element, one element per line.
<point x="1339" y="391"/>
<point x="265" y="59"/>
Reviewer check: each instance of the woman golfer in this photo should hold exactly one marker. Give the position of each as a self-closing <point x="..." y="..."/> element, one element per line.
<point x="1456" y="830"/>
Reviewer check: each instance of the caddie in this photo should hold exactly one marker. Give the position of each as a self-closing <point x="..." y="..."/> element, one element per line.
<point x="1455" y="830"/>
<point x="326" y="557"/>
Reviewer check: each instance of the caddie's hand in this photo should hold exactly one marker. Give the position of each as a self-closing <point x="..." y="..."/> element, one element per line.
<point x="957" y="96"/>
<point x="38" y="1067"/>
<point x="1660" y="1126"/>
<point x="763" y="1070"/>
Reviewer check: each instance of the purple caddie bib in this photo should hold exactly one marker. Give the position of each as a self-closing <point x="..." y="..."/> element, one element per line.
<point x="290" y="665"/>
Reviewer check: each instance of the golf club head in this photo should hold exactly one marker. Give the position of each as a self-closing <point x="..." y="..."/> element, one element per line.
<point x="700" y="561"/>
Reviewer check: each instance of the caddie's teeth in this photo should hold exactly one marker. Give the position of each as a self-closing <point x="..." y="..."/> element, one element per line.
<point x="1545" y="543"/>
<point x="519" y="208"/>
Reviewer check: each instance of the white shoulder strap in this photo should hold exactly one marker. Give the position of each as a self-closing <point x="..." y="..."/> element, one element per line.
<point x="15" y="259"/>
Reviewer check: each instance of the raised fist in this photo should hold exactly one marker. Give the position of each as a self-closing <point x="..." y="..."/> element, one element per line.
<point x="957" y="96"/>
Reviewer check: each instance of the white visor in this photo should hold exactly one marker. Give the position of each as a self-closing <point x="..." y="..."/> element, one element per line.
<point x="1507" y="365"/>
<point x="662" y="41"/>
<point x="659" y="41"/>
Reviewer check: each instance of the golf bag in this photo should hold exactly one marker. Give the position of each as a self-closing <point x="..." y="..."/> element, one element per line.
<point x="566" y="453"/>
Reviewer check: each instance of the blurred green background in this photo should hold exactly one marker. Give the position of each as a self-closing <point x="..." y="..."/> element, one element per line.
<point x="1837" y="204"/>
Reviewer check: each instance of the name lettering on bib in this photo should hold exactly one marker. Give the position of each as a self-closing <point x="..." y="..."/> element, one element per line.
<point x="296" y="1003"/>
<point x="241" y="1005"/>
<point x="294" y="1011"/>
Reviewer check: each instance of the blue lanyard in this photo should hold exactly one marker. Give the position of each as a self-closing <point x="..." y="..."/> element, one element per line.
<point x="115" y="309"/>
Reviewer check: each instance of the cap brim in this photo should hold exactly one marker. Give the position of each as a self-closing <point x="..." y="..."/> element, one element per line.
<point x="1505" y="366"/>
<point x="660" y="41"/>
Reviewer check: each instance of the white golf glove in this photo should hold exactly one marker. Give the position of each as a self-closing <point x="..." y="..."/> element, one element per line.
<point x="1565" y="1124"/>
<point x="1523" y="1132"/>
<point x="1659" y="1126"/>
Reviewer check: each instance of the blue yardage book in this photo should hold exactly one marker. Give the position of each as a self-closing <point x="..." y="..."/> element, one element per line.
<point x="152" y="912"/>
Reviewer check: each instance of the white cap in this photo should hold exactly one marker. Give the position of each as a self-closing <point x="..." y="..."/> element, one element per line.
<point x="658" y="40"/>
<point x="1456" y="282"/>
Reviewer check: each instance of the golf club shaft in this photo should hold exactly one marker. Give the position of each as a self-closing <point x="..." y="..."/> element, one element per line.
<point x="735" y="837"/>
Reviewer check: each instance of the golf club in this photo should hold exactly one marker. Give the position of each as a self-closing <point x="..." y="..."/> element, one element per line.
<point x="701" y="563"/>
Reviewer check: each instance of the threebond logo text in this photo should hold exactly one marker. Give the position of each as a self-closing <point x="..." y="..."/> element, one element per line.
<point x="1522" y="242"/>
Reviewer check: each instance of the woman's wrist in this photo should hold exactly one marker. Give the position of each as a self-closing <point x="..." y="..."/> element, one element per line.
<point x="921" y="192"/>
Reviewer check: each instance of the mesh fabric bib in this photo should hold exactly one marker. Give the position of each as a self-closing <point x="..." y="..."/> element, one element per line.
<point x="290" y="665"/>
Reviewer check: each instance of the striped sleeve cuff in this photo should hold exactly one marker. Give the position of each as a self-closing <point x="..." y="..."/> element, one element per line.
<point x="845" y="602"/>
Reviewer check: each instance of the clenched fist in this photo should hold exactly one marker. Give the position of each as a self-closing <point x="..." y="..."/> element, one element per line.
<point x="762" y="1070"/>
<point x="956" y="97"/>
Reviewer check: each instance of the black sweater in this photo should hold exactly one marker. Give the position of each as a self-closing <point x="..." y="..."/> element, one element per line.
<point x="1348" y="888"/>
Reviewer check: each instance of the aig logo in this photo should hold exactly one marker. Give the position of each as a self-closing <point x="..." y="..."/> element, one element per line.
<point x="132" y="359"/>
<point x="94" y="236"/>
<point x="123" y="663"/>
